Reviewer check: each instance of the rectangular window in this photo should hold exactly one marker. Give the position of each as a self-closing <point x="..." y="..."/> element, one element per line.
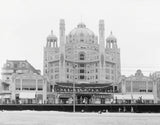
<point x="40" y="84"/>
<point x="51" y="76"/>
<point x="81" y="65"/>
<point x="15" y="65"/>
<point x="107" y="77"/>
<point x="107" y="65"/>
<point x="139" y="86"/>
<point x="17" y="84"/>
<point x="28" y="83"/>
<point x="56" y="69"/>
<point x="67" y="70"/>
<point x="67" y="76"/>
<point x="51" y="70"/>
<point x="150" y="86"/>
<point x="81" y="76"/>
<point x="56" y="76"/>
<point x="81" y="70"/>
<point x="107" y="70"/>
<point x="96" y="70"/>
<point x="96" y="76"/>
<point x="112" y="71"/>
<point x="128" y="86"/>
<point x="112" y="77"/>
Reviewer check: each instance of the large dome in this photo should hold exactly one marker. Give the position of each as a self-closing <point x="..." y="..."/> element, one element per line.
<point x="81" y="30"/>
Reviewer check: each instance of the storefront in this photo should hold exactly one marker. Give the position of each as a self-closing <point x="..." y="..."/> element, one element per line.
<point x="65" y="99"/>
<point x="143" y="98"/>
<point x="134" y="98"/>
<point x="85" y="93"/>
<point x="29" y="89"/>
<point x="5" y="98"/>
<point x="51" y="98"/>
<point x="122" y="98"/>
<point x="27" y="97"/>
<point x="103" y="98"/>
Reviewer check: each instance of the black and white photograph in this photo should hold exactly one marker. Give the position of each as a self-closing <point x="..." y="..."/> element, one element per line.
<point x="79" y="62"/>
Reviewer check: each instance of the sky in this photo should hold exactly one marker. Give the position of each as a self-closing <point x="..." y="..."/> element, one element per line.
<point x="25" y="24"/>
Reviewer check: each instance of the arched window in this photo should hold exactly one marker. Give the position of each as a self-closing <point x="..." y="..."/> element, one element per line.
<point x="81" y="56"/>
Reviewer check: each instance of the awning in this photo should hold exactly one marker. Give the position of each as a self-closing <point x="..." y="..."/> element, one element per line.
<point x="143" y="96"/>
<point x="127" y="97"/>
<point x="27" y="95"/>
<point x="65" y="96"/>
<point x="123" y="97"/>
<point x="118" y="96"/>
<point x="5" y="96"/>
<point x="134" y="96"/>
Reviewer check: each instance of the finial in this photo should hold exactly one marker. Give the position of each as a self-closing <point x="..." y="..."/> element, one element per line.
<point x="111" y="33"/>
<point x="51" y="32"/>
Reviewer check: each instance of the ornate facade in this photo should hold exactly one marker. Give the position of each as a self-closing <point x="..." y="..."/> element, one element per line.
<point x="82" y="56"/>
<point x="16" y="67"/>
<point x="22" y="83"/>
<point x="139" y="87"/>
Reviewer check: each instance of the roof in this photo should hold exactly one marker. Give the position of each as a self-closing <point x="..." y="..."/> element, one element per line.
<point x="30" y="66"/>
<point x="52" y="36"/>
<point x="81" y="30"/>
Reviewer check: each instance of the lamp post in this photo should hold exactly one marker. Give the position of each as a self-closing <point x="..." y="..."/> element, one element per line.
<point x="74" y="99"/>
<point x="74" y="71"/>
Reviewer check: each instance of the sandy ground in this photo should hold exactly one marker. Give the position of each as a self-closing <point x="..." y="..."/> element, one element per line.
<point x="64" y="118"/>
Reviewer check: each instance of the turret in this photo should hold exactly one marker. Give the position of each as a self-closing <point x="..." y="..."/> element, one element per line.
<point x="102" y="50"/>
<point x="62" y="50"/>
<point x="111" y="41"/>
<point x="51" y="40"/>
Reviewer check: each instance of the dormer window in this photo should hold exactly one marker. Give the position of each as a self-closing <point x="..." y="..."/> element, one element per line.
<point x="8" y="65"/>
<point x="23" y="65"/>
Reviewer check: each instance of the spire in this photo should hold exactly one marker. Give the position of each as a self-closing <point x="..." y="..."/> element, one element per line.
<point x="51" y="32"/>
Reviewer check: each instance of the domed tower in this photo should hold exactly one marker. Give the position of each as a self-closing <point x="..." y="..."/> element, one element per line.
<point x="51" y="40"/>
<point x="49" y="50"/>
<point x="111" y="41"/>
<point x="114" y="56"/>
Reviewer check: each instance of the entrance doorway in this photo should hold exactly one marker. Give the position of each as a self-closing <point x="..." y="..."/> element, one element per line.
<point x="84" y="98"/>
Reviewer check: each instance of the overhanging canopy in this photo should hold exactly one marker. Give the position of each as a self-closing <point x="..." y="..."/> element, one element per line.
<point x="143" y="96"/>
<point x="27" y="95"/>
<point x="5" y="96"/>
<point x="83" y="85"/>
<point x="65" y="96"/>
<point x="123" y="97"/>
<point x="134" y="96"/>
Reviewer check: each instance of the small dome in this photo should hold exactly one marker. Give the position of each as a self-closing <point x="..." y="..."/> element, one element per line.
<point x="111" y="37"/>
<point x="81" y="30"/>
<point x="51" y="36"/>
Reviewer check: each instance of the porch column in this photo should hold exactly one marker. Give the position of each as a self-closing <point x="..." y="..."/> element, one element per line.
<point x="44" y="91"/>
